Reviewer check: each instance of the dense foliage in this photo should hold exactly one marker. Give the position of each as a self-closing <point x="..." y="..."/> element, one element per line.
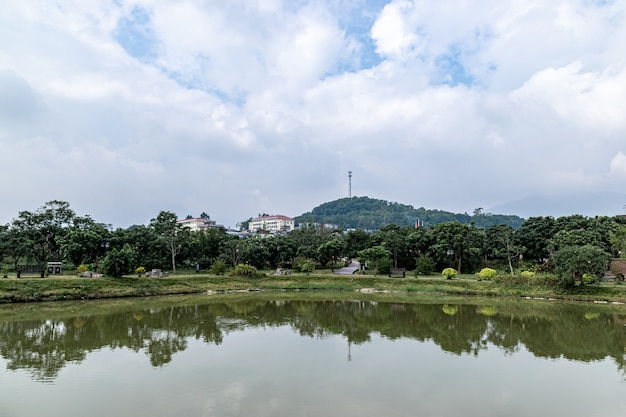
<point x="574" y="248"/>
<point x="372" y="214"/>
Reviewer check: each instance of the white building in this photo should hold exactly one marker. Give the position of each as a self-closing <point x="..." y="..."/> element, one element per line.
<point x="199" y="223"/>
<point x="272" y="224"/>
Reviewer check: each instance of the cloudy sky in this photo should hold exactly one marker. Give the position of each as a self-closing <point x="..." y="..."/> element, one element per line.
<point x="125" y="108"/>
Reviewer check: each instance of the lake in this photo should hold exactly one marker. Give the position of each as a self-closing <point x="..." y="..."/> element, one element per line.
<point x="312" y="355"/>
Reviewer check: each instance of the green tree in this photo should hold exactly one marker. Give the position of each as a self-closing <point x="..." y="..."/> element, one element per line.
<point x="83" y="242"/>
<point x="218" y="268"/>
<point x="500" y="243"/>
<point x="119" y="261"/>
<point x="374" y="256"/>
<point x="464" y="241"/>
<point x="424" y="265"/>
<point x="148" y="246"/>
<point x="45" y="228"/>
<point x="255" y="253"/>
<point x="572" y="262"/>
<point x="331" y="251"/>
<point x="534" y="236"/>
<point x="282" y="250"/>
<point x="171" y="234"/>
<point x="356" y="240"/>
<point x="618" y="241"/>
<point x="15" y="245"/>
<point x="394" y="239"/>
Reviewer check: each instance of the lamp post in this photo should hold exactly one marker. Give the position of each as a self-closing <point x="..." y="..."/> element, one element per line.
<point x="450" y="254"/>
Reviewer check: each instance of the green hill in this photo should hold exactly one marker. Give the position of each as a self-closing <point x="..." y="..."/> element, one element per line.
<point x="372" y="214"/>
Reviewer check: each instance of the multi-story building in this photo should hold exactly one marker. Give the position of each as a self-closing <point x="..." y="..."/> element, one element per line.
<point x="272" y="224"/>
<point x="199" y="223"/>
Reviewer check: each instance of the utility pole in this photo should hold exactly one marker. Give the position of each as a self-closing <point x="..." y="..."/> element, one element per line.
<point x="349" y="184"/>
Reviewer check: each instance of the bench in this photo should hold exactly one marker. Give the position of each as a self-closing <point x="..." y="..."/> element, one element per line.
<point x="397" y="271"/>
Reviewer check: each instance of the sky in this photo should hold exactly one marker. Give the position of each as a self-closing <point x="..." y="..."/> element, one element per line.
<point x="125" y="108"/>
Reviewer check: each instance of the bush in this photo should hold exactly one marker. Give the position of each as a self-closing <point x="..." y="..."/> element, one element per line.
<point x="140" y="271"/>
<point x="449" y="273"/>
<point x="424" y="265"/>
<point x="304" y="265"/>
<point x="487" y="274"/>
<point x="571" y="263"/>
<point x="384" y="266"/>
<point x="527" y="274"/>
<point x="118" y="262"/>
<point x="243" y="270"/>
<point x="218" y="268"/>
<point x="589" y="279"/>
<point x="82" y="268"/>
<point x="5" y="271"/>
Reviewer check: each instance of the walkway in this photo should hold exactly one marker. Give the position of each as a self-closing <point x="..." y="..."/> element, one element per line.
<point x="353" y="267"/>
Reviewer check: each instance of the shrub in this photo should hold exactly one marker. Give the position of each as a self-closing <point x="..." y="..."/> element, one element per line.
<point x="449" y="273"/>
<point x="384" y="266"/>
<point x="243" y="270"/>
<point x="304" y="265"/>
<point x="218" y="267"/>
<point x="82" y="268"/>
<point x="5" y="271"/>
<point x="140" y="271"/>
<point x="487" y="274"/>
<point x="424" y="265"/>
<point x="119" y="262"/>
<point x="573" y="262"/>
<point x="589" y="279"/>
<point x="527" y="274"/>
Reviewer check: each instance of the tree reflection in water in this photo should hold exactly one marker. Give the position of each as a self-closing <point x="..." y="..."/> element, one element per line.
<point x="576" y="332"/>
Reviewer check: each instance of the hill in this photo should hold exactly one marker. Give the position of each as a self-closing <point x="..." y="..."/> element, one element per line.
<point x="590" y="204"/>
<point x="372" y="214"/>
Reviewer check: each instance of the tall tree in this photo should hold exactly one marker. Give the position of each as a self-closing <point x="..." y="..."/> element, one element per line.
<point x="331" y="251"/>
<point x="463" y="242"/>
<point x="170" y="233"/>
<point x="500" y="242"/>
<point x="45" y="228"/>
<point x="534" y="236"/>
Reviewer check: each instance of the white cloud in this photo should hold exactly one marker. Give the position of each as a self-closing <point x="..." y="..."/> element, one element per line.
<point x="394" y="35"/>
<point x="242" y="107"/>
<point x="586" y="98"/>
<point x="618" y="165"/>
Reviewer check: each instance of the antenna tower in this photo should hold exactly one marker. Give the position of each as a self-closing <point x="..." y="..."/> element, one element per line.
<point x="349" y="184"/>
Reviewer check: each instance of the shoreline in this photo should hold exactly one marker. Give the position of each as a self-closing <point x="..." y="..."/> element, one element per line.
<point x="68" y="288"/>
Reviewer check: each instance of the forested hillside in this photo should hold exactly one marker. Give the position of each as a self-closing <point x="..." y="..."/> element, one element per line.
<point x="372" y="214"/>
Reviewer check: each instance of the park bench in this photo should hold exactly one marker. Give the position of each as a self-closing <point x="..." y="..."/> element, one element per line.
<point x="397" y="272"/>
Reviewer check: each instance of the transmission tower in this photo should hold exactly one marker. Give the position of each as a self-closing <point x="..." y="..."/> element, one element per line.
<point x="349" y="184"/>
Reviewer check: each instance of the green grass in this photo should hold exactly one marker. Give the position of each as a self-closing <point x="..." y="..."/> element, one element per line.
<point x="72" y="288"/>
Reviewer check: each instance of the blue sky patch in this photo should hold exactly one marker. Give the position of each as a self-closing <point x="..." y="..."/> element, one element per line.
<point x="452" y="70"/>
<point x="135" y="34"/>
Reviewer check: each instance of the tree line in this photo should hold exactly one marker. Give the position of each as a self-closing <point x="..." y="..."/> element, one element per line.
<point x="54" y="232"/>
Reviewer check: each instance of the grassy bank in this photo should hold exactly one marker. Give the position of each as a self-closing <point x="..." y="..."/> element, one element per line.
<point x="72" y="288"/>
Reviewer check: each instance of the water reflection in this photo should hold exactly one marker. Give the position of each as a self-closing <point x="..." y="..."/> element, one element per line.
<point x="161" y="329"/>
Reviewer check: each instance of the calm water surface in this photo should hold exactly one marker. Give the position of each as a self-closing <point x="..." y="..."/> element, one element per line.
<point x="257" y="356"/>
